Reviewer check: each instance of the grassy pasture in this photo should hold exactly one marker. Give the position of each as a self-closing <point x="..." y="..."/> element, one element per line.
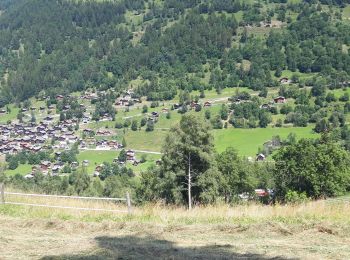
<point x="340" y="92"/>
<point x="247" y="141"/>
<point x="22" y="169"/>
<point x="148" y="141"/>
<point x="96" y="158"/>
<point x="10" y="116"/>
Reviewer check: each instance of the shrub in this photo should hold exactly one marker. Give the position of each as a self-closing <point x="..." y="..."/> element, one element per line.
<point x="295" y="197"/>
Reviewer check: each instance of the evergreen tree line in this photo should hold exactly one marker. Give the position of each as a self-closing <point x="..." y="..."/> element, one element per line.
<point x="65" y="46"/>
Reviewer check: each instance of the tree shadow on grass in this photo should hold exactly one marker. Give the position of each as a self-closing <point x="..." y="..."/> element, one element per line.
<point x="131" y="247"/>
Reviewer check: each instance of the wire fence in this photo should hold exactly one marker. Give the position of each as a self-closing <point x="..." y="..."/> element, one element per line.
<point x="4" y="200"/>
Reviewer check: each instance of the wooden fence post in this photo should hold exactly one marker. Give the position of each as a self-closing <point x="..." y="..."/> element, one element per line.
<point x="128" y="202"/>
<point x="2" y="193"/>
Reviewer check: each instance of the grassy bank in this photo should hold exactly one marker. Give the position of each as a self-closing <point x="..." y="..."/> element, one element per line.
<point x="333" y="210"/>
<point x="316" y="230"/>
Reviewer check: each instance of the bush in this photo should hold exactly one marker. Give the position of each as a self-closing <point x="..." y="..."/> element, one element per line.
<point x="127" y="123"/>
<point x="143" y="122"/>
<point x="134" y="125"/>
<point x="13" y="164"/>
<point x="118" y="125"/>
<point x="154" y="104"/>
<point x="150" y="126"/>
<point x="279" y="123"/>
<point x="143" y="158"/>
<point x="295" y="197"/>
<point x="344" y="98"/>
<point x="207" y="114"/>
<point x="145" y="109"/>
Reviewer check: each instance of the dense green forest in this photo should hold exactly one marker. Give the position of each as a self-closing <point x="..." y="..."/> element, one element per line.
<point x="60" y="46"/>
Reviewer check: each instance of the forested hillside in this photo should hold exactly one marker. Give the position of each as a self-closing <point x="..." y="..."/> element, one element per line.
<point x="158" y="47"/>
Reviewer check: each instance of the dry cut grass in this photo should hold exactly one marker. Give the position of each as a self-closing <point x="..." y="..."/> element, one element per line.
<point x="314" y="230"/>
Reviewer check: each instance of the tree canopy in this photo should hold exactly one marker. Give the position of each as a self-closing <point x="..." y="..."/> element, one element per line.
<point x="318" y="168"/>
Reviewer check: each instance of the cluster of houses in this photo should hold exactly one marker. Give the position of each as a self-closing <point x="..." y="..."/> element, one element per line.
<point x="193" y="105"/>
<point x="108" y="145"/>
<point x="127" y="99"/>
<point x="89" y="96"/>
<point x="32" y="137"/>
<point x="154" y="116"/>
<point x="46" y="167"/>
<point x="277" y="100"/>
<point x="130" y="157"/>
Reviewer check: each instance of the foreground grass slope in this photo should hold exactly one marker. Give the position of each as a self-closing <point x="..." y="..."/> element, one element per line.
<point x="36" y="239"/>
<point x="315" y="230"/>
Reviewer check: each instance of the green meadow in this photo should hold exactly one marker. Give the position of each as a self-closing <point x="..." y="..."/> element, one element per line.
<point x="10" y="116"/>
<point x="147" y="141"/>
<point x="22" y="169"/>
<point x="248" y="141"/>
<point x="96" y="158"/>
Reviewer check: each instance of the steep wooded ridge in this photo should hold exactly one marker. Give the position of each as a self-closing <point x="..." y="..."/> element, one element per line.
<point x="65" y="46"/>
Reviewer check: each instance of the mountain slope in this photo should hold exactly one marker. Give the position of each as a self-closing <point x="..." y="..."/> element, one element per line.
<point x="64" y="46"/>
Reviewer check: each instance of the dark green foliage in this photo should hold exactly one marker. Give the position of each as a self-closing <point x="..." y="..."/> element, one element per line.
<point x="145" y="109"/>
<point x="224" y="112"/>
<point x="143" y="122"/>
<point x="127" y="123"/>
<point x="216" y="122"/>
<point x="207" y="114"/>
<point x="344" y="98"/>
<point x="264" y="119"/>
<point x="122" y="156"/>
<point x="118" y="125"/>
<point x="322" y="126"/>
<point x="66" y="46"/>
<point x="150" y="126"/>
<point x="236" y="175"/>
<point x="318" y="168"/>
<point x="134" y="125"/>
<point x="263" y="93"/>
<point x="189" y="146"/>
<point x="68" y="156"/>
<point x="198" y="108"/>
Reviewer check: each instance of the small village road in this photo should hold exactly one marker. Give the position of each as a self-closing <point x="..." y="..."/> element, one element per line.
<point x="108" y="149"/>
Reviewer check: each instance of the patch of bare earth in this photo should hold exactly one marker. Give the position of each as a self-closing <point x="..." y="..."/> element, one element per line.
<point x="56" y="239"/>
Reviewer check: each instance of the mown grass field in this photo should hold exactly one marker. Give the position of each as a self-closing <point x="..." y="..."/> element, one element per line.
<point x="314" y="230"/>
<point x="247" y="141"/>
<point x="96" y="158"/>
<point x="147" y="141"/>
<point x="22" y="169"/>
